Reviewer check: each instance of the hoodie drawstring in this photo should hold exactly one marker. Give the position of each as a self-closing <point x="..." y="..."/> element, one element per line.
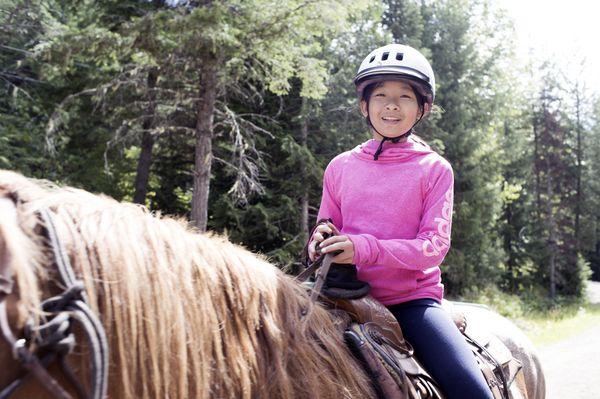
<point x="393" y="140"/>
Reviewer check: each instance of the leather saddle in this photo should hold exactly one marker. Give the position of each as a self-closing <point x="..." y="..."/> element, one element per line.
<point x="495" y="360"/>
<point x="376" y="339"/>
<point x="367" y="309"/>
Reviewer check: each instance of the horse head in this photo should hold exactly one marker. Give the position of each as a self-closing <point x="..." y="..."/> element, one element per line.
<point x="184" y="314"/>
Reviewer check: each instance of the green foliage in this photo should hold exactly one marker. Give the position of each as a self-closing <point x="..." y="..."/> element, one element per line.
<point x="464" y="40"/>
<point x="560" y="322"/>
<point x="590" y="228"/>
<point x="83" y="83"/>
<point x="508" y="305"/>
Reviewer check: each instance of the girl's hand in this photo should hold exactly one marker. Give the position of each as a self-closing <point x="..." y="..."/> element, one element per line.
<point x="321" y="231"/>
<point x="339" y="243"/>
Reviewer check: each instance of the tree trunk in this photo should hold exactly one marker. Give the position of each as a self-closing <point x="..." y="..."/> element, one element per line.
<point x="579" y="168"/>
<point x="552" y="240"/>
<point x="304" y="196"/>
<point x="536" y="157"/>
<point x="204" y="132"/>
<point x="595" y="266"/>
<point x="143" y="169"/>
<point x="145" y="159"/>
<point x="508" y="237"/>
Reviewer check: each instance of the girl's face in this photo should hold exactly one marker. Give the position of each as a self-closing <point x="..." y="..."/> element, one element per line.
<point x="393" y="109"/>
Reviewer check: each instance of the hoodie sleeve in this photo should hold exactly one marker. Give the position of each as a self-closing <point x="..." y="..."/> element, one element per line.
<point x="330" y="203"/>
<point x="432" y="242"/>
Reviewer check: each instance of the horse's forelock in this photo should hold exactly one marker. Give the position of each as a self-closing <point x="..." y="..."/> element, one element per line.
<point x="20" y="253"/>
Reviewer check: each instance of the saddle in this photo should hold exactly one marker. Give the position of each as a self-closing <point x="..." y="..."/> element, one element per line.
<point x="376" y="335"/>
<point x="375" y="338"/>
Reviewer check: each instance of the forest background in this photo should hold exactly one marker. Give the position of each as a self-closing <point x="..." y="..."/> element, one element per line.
<point x="227" y="112"/>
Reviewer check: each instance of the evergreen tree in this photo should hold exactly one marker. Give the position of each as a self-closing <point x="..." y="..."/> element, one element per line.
<point x="23" y="95"/>
<point x="152" y="101"/>
<point x="590" y="227"/>
<point x="555" y="165"/>
<point x="464" y="41"/>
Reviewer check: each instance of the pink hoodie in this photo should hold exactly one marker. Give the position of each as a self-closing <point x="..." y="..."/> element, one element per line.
<point x="397" y="211"/>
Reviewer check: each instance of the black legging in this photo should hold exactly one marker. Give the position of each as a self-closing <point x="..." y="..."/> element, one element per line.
<point x="442" y="349"/>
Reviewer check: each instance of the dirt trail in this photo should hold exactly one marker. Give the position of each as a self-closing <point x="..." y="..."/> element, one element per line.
<point x="572" y="366"/>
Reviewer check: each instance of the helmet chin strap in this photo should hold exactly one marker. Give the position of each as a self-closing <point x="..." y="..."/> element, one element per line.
<point x="392" y="139"/>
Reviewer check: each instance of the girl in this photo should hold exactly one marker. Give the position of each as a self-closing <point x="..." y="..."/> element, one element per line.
<point x="390" y="203"/>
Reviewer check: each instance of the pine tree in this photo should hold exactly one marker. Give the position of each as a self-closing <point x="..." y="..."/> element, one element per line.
<point x="555" y="165"/>
<point x="464" y="41"/>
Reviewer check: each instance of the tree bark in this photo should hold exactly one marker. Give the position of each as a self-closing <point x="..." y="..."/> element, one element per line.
<point x="145" y="160"/>
<point x="548" y="130"/>
<point x="304" y="196"/>
<point x="552" y="239"/>
<point x="204" y="133"/>
<point x="508" y="234"/>
<point x="595" y="267"/>
<point x="579" y="168"/>
<point x="536" y="160"/>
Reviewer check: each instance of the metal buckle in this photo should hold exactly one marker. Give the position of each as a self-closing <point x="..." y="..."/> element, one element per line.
<point x="19" y="346"/>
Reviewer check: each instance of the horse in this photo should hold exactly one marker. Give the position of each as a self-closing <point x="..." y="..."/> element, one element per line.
<point x="185" y="314"/>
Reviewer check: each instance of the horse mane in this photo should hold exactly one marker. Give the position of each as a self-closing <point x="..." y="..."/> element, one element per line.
<point x="186" y="314"/>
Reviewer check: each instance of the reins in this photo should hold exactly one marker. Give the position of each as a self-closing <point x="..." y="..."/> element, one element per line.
<point x="54" y="335"/>
<point x="322" y="265"/>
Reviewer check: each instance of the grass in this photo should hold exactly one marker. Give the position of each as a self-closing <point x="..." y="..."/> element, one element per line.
<point x="557" y="324"/>
<point x="544" y="323"/>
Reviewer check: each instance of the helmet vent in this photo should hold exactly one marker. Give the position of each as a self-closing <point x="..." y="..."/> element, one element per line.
<point x="399" y="56"/>
<point x="372" y="59"/>
<point x="384" y="56"/>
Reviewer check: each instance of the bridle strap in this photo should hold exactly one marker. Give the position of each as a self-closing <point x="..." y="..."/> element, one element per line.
<point x="72" y="302"/>
<point x="29" y="360"/>
<point x="80" y="311"/>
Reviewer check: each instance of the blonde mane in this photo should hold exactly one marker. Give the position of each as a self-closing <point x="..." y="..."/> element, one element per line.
<point x="186" y="314"/>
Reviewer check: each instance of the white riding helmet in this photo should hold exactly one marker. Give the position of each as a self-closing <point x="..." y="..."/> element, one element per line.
<point x="396" y="61"/>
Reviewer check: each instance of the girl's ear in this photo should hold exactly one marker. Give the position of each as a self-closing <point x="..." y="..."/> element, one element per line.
<point x="426" y="109"/>
<point x="364" y="108"/>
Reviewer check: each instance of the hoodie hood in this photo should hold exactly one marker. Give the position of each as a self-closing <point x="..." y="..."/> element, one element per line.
<point x="392" y="152"/>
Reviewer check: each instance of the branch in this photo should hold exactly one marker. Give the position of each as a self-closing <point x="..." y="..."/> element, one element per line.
<point x="55" y="119"/>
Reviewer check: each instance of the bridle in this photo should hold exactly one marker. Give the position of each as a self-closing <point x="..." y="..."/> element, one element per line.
<point x="53" y="339"/>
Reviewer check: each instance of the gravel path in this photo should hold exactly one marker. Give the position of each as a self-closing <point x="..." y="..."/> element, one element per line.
<point x="593" y="291"/>
<point x="572" y="366"/>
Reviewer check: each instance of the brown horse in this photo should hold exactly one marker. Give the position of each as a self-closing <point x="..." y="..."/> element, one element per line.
<point x="185" y="314"/>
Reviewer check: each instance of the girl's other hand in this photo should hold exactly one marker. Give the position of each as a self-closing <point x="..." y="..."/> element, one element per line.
<point x="341" y="244"/>
<point x="321" y="232"/>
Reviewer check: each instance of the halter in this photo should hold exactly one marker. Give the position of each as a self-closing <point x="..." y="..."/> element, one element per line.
<point x="54" y="339"/>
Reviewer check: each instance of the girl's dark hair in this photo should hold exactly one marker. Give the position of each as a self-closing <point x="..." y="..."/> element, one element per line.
<point x="368" y="92"/>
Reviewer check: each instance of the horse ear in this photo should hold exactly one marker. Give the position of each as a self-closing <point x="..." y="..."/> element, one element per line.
<point x="8" y="224"/>
<point x="19" y="260"/>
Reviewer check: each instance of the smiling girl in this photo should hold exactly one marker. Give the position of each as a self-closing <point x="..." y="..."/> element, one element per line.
<point x="390" y="205"/>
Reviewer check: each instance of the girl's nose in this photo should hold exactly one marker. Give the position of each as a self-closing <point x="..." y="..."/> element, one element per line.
<point x="392" y="105"/>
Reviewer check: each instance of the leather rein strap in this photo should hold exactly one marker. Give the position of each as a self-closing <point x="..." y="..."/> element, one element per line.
<point x="323" y="264"/>
<point x="56" y="336"/>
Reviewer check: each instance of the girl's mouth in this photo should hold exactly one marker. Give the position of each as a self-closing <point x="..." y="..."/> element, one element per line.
<point x="390" y="119"/>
